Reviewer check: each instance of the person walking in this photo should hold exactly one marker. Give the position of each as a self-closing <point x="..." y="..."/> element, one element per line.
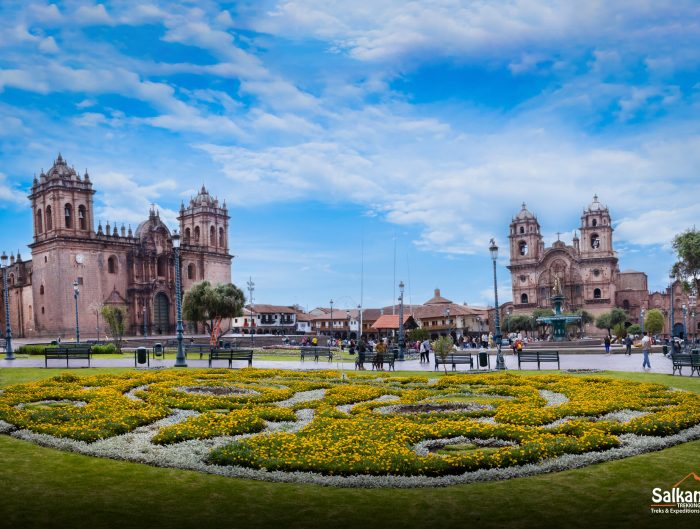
<point x="628" y="345"/>
<point x="607" y="344"/>
<point x="361" y="349"/>
<point x="646" y="349"/>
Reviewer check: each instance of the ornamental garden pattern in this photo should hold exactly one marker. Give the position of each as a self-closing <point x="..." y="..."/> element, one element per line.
<point x="319" y="427"/>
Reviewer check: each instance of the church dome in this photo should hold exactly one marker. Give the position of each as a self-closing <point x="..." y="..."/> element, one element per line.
<point x="60" y="169"/>
<point x="151" y="225"/>
<point x="595" y="205"/>
<point x="524" y="214"/>
<point x="203" y="198"/>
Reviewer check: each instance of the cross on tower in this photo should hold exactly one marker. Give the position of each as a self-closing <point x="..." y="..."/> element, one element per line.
<point x="558" y="234"/>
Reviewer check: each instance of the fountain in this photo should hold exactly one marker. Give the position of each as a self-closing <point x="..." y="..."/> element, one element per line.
<point x="558" y="321"/>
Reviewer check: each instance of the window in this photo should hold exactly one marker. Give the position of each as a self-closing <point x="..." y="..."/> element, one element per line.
<point x="596" y="293"/>
<point x="523" y="299"/>
<point x="49" y="218"/>
<point x="79" y="280"/>
<point x="12" y="279"/>
<point x="212" y="235"/>
<point x="46" y="259"/>
<point x="221" y="237"/>
<point x="191" y="272"/>
<point x="42" y="310"/>
<point x="522" y="247"/>
<point x="595" y="241"/>
<point x="82" y="218"/>
<point x="196" y="235"/>
<point x="594" y="223"/>
<point x="188" y="234"/>
<point x="68" y="214"/>
<point x="522" y="229"/>
<point x="162" y="265"/>
<point x="112" y="265"/>
<point x="626" y="304"/>
<point x="39" y="222"/>
<point x="41" y="290"/>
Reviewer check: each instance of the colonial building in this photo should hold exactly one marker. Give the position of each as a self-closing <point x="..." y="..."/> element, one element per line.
<point x="587" y="270"/>
<point x="111" y="265"/>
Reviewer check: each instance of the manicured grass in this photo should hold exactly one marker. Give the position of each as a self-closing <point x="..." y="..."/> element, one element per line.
<point x="48" y="488"/>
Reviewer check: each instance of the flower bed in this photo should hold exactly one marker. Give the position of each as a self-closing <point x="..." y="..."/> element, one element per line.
<point x="275" y="422"/>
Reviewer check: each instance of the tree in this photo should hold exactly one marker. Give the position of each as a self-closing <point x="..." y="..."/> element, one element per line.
<point x="520" y="323"/>
<point x="417" y="335"/>
<point x="654" y="321"/>
<point x="539" y="313"/>
<point x="609" y="320"/>
<point x="635" y="328"/>
<point x="687" y="268"/>
<point x="115" y="316"/>
<point x="603" y="322"/>
<point x="206" y="304"/>
<point x="586" y="317"/>
<point x="442" y="347"/>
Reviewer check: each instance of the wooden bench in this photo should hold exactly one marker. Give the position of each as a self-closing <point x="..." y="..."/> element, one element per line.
<point x="231" y="355"/>
<point x="539" y="357"/>
<point x="316" y="352"/>
<point x="198" y="348"/>
<point x="377" y="359"/>
<point x="76" y="352"/>
<point x="3" y="344"/>
<point x="454" y="359"/>
<point x="686" y="360"/>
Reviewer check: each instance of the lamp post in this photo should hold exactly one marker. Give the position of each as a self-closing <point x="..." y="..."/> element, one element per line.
<point x="145" y="316"/>
<point x="672" y="277"/>
<point x="685" y="323"/>
<point x="251" y="288"/>
<point x="76" y="293"/>
<point x="500" y="364"/>
<point x="9" y="355"/>
<point x="642" y="313"/>
<point x="359" y="331"/>
<point x="692" y="298"/>
<point x="446" y="314"/>
<point x="180" y="359"/>
<point x="331" y="331"/>
<point x="402" y="340"/>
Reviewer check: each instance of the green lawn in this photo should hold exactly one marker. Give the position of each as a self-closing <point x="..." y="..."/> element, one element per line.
<point x="48" y="488"/>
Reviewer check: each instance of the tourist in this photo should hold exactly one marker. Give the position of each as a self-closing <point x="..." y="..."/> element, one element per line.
<point x="646" y="349"/>
<point x="628" y="345"/>
<point x="606" y="342"/>
<point x="361" y="349"/>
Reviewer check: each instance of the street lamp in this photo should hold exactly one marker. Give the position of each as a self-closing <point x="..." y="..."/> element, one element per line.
<point x="251" y="287"/>
<point x="8" y="328"/>
<point x="402" y="339"/>
<point x="672" y="277"/>
<point x="359" y="331"/>
<point x="642" y="313"/>
<point x="446" y="314"/>
<point x="145" y="316"/>
<point x="685" y="323"/>
<point x="500" y="364"/>
<point x="331" y="331"/>
<point x="180" y="359"/>
<point x="76" y="293"/>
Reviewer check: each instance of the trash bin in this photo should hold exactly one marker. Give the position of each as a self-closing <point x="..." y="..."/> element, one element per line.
<point x="665" y="349"/>
<point x="483" y="359"/>
<point x="157" y="349"/>
<point x="141" y="355"/>
<point x="54" y="342"/>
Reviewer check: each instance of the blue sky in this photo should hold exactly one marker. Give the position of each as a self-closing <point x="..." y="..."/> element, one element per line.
<point x="420" y="125"/>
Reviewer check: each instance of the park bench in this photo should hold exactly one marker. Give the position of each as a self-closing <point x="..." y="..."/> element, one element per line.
<point x="3" y="344"/>
<point x="539" y="357"/>
<point x="377" y="360"/>
<point x="686" y="360"/>
<point x="316" y="352"/>
<point x="231" y="355"/>
<point x="76" y="352"/>
<point x="198" y="348"/>
<point x="455" y="358"/>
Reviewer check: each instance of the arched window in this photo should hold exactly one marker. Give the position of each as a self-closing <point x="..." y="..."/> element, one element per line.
<point x="522" y="229"/>
<point x="595" y="241"/>
<point x="41" y="290"/>
<point x="522" y="246"/>
<point x="112" y="265"/>
<point x="12" y="279"/>
<point x="162" y="265"/>
<point x="212" y="235"/>
<point x="188" y="234"/>
<point x="594" y="223"/>
<point x="596" y="293"/>
<point x="49" y="218"/>
<point x="221" y="237"/>
<point x="68" y="214"/>
<point x="82" y="218"/>
<point x="191" y="271"/>
<point x="196" y="234"/>
<point x="523" y="299"/>
<point x="626" y="304"/>
<point x="39" y="222"/>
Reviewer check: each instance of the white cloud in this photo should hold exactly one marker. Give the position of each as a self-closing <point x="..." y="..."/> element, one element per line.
<point x="48" y="45"/>
<point x="92" y="15"/>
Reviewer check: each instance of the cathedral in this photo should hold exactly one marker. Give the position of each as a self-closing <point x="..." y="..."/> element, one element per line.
<point x="111" y="265"/>
<point x="587" y="271"/>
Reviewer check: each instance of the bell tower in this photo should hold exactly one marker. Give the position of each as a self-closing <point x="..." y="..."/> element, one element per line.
<point x="62" y="203"/>
<point x="204" y="224"/>
<point x="526" y="243"/>
<point x="596" y="231"/>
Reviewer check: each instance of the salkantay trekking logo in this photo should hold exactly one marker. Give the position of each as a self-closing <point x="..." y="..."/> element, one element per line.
<point x="677" y="500"/>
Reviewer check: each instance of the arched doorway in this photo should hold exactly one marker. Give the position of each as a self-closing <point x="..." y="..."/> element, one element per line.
<point x="161" y="314"/>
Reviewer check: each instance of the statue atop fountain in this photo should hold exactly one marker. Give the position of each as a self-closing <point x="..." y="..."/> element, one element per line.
<point x="558" y="321"/>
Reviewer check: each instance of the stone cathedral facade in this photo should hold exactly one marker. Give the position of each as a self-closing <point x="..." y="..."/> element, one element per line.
<point x="112" y="265"/>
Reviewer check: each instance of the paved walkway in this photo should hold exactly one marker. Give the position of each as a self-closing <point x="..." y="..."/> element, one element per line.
<point x="611" y="362"/>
